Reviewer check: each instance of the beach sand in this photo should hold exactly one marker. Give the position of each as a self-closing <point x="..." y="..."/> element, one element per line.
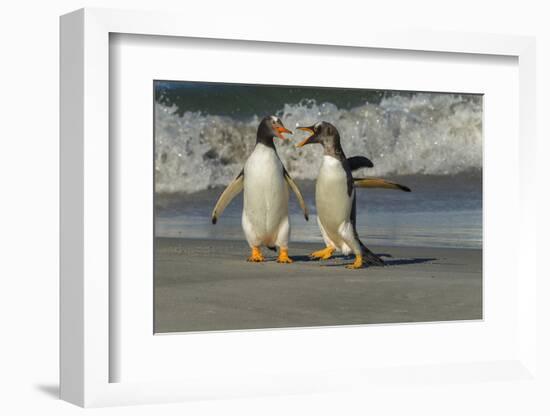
<point x="205" y="285"/>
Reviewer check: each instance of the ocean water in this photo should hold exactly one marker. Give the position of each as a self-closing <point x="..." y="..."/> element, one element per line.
<point x="431" y="142"/>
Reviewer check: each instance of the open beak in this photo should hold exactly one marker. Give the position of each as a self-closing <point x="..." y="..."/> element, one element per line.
<point x="279" y="130"/>
<point x="306" y="140"/>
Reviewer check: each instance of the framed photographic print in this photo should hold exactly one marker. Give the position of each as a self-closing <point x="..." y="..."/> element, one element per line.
<point x="234" y="227"/>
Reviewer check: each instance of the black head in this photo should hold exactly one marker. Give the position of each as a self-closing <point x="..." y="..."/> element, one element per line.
<point x="270" y="127"/>
<point x="323" y="133"/>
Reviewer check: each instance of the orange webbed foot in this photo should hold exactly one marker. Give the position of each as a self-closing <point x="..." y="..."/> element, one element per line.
<point x="256" y="256"/>
<point x="283" y="257"/>
<point x="357" y="264"/>
<point x="323" y="254"/>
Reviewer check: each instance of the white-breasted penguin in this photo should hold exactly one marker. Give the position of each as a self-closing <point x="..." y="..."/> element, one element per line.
<point x="335" y="196"/>
<point x="265" y="182"/>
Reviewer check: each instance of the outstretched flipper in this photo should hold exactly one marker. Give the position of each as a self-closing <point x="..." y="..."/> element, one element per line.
<point x="358" y="162"/>
<point x="378" y="183"/>
<point x="298" y="194"/>
<point x="232" y="190"/>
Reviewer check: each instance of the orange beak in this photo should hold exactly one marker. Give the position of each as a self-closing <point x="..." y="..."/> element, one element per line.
<point x="279" y="130"/>
<point x="309" y="130"/>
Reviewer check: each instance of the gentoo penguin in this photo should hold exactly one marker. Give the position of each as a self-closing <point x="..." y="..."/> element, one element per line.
<point x="265" y="182"/>
<point x="335" y="196"/>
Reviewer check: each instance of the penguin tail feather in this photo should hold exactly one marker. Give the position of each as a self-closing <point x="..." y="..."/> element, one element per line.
<point x="272" y="248"/>
<point x="370" y="258"/>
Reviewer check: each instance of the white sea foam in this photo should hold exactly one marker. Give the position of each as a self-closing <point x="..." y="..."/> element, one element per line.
<point x="439" y="134"/>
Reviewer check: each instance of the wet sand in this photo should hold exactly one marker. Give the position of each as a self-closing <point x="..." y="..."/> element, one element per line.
<point x="205" y="285"/>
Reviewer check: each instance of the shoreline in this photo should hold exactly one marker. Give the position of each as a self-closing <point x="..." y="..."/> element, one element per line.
<point x="429" y="216"/>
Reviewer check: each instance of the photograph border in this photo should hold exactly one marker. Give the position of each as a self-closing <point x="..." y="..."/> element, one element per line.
<point x="84" y="200"/>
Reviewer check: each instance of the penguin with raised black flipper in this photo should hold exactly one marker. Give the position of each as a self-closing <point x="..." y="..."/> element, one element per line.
<point x="335" y="197"/>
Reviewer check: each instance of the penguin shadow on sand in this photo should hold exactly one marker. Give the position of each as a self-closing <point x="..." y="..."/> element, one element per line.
<point x="340" y="260"/>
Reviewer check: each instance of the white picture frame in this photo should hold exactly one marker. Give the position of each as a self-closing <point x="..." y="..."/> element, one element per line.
<point x="86" y="356"/>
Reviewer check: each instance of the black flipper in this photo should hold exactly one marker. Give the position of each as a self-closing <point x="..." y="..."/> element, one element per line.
<point x="378" y="183"/>
<point x="297" y="192"/>
<point x="232" y="190"/>
<point x="358" y="162"/>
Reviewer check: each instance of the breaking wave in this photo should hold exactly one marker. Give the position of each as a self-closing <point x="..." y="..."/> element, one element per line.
<point x="435" y="134"/>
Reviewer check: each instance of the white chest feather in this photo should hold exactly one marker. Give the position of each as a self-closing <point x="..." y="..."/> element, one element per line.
<point x="265" y="191"/>
<point x="263" y="169"/>
<point x="331" y="194"/>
